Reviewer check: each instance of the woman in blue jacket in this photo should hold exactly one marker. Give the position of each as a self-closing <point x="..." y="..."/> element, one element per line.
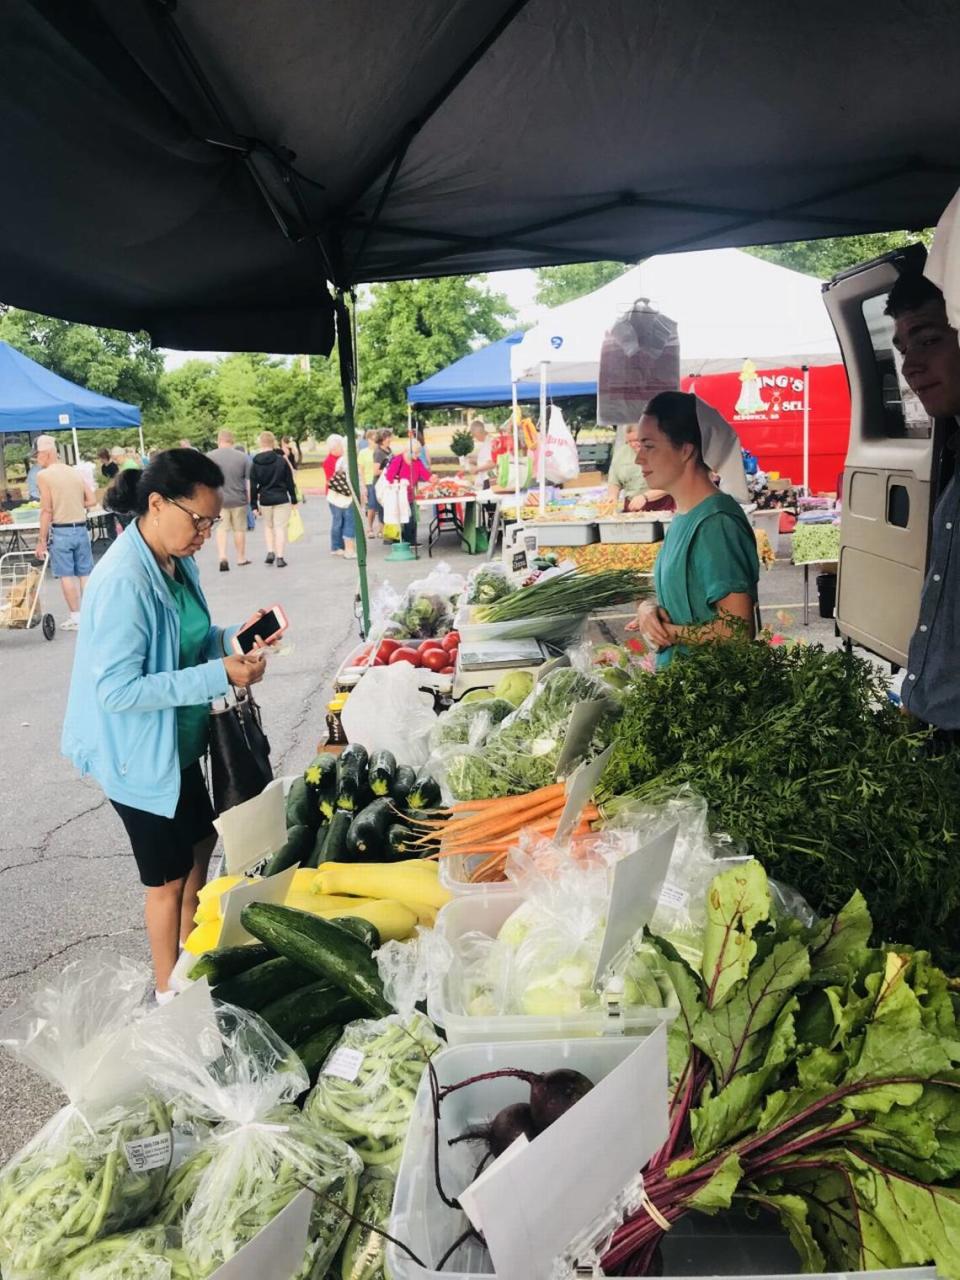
<point x="148" y="663"/>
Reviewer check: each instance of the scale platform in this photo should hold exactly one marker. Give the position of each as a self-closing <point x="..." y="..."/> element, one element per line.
<point x="482" y="662"/>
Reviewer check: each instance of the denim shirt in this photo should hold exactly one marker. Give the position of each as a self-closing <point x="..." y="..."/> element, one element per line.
<point x="931" y="687"/>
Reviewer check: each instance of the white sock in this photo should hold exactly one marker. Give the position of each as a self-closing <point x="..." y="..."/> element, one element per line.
<point x="164" y="997"/>
<point x="74" y="616"/>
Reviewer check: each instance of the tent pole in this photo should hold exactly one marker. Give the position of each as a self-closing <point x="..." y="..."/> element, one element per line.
<point x="76" y="445"/>
<point x="543" y="434"/>
<point x="143" y="447"/>
<point x="345" y="354"/>
<point x="806" y="429"/>
<point x="516" y="443"/>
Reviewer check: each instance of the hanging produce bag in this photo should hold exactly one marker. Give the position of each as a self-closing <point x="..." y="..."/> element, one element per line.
<point x="561" y="460"/>
<point x="100" y="1164"/>
<point x="262" y="1151"/>
<point x="640" y="357"/>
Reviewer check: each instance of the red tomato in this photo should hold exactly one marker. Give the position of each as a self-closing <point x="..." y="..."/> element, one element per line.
<point x="434" y="659"/>
<point x="378" y="662"/>
<point x="404" y="655"/>
<point x="447" y="671"/>
<point x="386" y="648"/>
<point x="431" y="642"/>
<point x="451" y="640"/>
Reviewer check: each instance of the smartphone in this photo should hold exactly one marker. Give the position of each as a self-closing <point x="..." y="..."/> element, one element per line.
<point x="267" y="627"/>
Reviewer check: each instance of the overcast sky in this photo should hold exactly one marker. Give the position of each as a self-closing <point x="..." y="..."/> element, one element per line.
<point x="519" y="286"/>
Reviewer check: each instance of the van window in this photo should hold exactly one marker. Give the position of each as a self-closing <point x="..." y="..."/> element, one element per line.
<point x="903" y="414"/>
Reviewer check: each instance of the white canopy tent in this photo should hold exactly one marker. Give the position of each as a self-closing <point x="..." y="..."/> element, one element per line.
<point x="728" y="306"/>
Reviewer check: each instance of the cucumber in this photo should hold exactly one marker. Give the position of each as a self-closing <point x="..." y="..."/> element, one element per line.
<point x="321" y="780"/>
<point x="322" y="946"/>
<point x="299" y="1014"/>
<point x="226" y="962"/>
<point x="381" y="772"/>
<point x="299" y="844"/>
<point x="404" y="781"/>
<point x="363" y="1253"/>
<point x="301" y="810"/>
<point x="335" y="845"/>
<point x="426" y="793"/>
<point x="350" y="782"/>
<point x="315" y="855"/>
<point x="261" y="986"/>
<point x="315" y="1049"/>
<point x="367" y="837"/>
<point x="357" y="754"/>
<point x="362" y="929"/>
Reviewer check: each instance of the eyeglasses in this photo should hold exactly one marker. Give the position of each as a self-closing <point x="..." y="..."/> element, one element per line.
<point x="202" y="524"/>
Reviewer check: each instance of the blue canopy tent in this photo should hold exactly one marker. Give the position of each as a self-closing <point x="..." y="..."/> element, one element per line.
<point x="35" y="400"/>
<point x="483" y="377"/>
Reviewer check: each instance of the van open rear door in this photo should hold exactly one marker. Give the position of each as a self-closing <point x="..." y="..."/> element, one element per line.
<point x="890" y="481"/>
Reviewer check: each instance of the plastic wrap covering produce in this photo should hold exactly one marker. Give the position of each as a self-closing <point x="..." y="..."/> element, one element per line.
<point x="99" y="1165"/>
<point x="469" y="723"/>
<point x="487" y="583"/>
<point x="523" y="752"/>
<point x="151" y="1253"/>
<point x="366" y="1089"/>
<point x="388" y="711"/>
<point x="262" y="1152"/>
<point x="544" y="959"/>
<point x="424" y="609"/>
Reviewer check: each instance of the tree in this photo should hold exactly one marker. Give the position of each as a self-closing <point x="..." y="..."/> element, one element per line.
<point x="824" y="258"/>
<point x="196" y="406"/>
<point x="413" y="328"/>
<point x="299" y="402"/>
<point x="562" y="284"/>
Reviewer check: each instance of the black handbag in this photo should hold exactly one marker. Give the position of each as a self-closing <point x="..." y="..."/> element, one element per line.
<point x="239" y="752"/>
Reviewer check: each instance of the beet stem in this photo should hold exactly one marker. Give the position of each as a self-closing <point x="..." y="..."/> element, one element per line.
<point x="435" y="1098"/>
<point x="460" y="1240"/>
<point x="529" y="1077"/>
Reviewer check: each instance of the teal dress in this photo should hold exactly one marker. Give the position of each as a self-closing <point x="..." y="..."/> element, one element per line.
<point x="193" y="723"/>
<point x="708" y="553"/>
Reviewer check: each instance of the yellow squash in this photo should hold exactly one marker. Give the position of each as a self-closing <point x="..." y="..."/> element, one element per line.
<point x="414" y="881"/>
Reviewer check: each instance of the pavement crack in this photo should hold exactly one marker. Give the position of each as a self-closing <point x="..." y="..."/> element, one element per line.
<point x="78" y="942"/>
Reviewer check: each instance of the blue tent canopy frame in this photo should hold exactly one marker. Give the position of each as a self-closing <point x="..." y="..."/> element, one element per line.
<point x="483" y="377"/>
<point x="35" y="399"/>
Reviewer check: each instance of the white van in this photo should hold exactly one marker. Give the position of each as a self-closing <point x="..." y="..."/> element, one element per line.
<point x="895" y="470"/>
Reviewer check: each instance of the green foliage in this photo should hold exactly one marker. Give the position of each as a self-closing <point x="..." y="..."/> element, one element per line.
<point x="824" y="258"/>
<point x="461" y="444"/>
<point x="562" y="284"/>
<point x="413" y="328"/>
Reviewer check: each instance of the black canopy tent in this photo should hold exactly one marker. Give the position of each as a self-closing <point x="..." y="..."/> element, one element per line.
<point x="205" y="170"/>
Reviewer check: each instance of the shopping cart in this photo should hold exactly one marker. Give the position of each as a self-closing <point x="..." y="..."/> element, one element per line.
<point x="21" y="580"/>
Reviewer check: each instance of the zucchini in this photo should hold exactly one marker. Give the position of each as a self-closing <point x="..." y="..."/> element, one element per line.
<point x="301" y="809"/>
<point x="261" y="986"/>
<point x="400" y="843"/>
<point x="426" y="793"/>
<point x="335" y="844"/>
<point x="363" y="1253"/>
<point x="299" y="845"/>
<point x="350" y="781"/>
<point x="355" y="753"/>
<point x="405" y="779"/>
<point x="300" y="1014"/>
<point x="321" y="780"/>
<point x="362" y="929"/>
<point x="315" y="856"/>
<point x="226" y="962"/>
<point x="381" y="772"/>
<point x="322" y="946"/>
<point x="315" y="1049"/>
<point x="367" y="837"/>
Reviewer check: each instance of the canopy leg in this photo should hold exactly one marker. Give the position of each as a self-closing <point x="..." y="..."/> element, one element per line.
<point x="76" y="445"/>
<point x="543" y="435"/>
<point x="806" y="430"/>
<point x="143" y="447"/>
<point x="345" y="354"/>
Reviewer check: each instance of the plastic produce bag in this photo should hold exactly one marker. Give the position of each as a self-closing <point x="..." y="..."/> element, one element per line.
<point x="425" y="609"/>
<point x="367" y="1086"/>
<point x="523" y="752"/>
<point x="487" y="583"/>
<point x="99" y="1165"/>
<point x="561" y="461"/>
<point x="469" y="723"/>
<point x="261" y="1154"/>
<point x="152" y="1253"/>
<point x="388" y="711"/>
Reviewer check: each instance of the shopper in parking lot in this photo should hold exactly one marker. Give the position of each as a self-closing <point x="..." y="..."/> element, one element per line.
<point x="931" y="368"/>
<point x="273" y="492"/>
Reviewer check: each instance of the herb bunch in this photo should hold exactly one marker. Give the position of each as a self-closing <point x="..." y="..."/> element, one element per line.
<point x="804" y="763"/>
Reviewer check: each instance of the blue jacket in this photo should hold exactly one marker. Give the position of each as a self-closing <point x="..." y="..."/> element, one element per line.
<point x="121" y="721"/>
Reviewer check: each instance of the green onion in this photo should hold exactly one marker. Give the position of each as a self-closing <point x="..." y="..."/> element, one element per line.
<point x="574" y="592"/>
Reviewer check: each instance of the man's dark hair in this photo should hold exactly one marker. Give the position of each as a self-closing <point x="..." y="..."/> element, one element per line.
<point x="911" y="291"/>
<point x="174" y="473"/>
<point x="676" y="415"/>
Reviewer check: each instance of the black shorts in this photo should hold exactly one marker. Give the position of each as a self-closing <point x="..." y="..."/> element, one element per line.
<point x="163" y="847"/>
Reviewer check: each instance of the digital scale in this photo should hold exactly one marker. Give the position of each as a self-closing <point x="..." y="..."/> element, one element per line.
<point x="482" y="662"/>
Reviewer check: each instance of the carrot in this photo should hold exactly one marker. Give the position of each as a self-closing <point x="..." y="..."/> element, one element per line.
<point x="518" y="816"/>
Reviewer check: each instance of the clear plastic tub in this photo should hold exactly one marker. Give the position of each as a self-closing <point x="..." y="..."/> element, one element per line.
<point x="455" y="876"/>
<point x="565" y="533"/>
<point x="539" y="628"/>
<point x="485" y="913"/>
<point x="698" y="1246"/>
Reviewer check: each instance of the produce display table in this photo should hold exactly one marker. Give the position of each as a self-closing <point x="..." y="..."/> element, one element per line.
<point x="636" y="555"/>
<point x="815" y="544"/>
<point x="445" y="517"/>
<point x="22" y="534"/>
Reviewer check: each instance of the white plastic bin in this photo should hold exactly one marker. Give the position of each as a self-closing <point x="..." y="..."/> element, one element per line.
<point x="620" y="531"/>
<point x="455" y="872"/>
<point x="349" y="673"/>
<point x="486" y="913"/>
<point x="769" y="522"/>
<point x="728" y="1245"/>
<point x="565" y="533"/>
<point x="540" y="628"/>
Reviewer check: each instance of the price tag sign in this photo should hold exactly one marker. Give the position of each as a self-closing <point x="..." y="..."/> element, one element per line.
<point x="253" y="830"/>
<point x="634" y="893"/>
<point x="273" y="889"/>
<point x="344" y="1063"/>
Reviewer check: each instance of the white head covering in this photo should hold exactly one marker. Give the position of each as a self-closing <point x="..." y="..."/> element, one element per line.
<point x="720" y="447"/>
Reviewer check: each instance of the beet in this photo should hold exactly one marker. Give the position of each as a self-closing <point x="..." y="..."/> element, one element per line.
<point x="510" y="1124"/>
<point x="554" y="1093"/>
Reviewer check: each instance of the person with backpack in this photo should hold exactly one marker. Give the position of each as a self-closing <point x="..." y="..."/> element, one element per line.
<point x="273" y="493"/>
